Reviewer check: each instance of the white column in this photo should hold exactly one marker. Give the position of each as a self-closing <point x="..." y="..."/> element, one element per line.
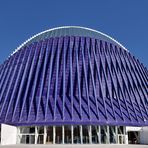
<point x="63" y="134"/>
<point x="72" y="134"/>
<point x="125" y="135"/>
<point x="99" y="134"/>
<point x="107" y="134"/>
<point x="45" y="134"/>
<point x="90" y="135"/>
<point x="18" y="139"/>
<point x="36" y="134"/>
<point x="81" y="134"/>
<point x="116" y="132"/>
<point x="54" y="134"/>
<point x="8" y="134"/>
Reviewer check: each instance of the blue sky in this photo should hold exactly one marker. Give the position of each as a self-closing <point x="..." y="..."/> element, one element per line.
<point x="124" y="20"/>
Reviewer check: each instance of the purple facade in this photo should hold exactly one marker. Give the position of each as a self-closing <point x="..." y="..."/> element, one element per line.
<point x="73" y="80"/>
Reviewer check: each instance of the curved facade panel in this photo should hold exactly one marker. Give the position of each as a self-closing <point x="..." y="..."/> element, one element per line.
<point x="73" y="79"/>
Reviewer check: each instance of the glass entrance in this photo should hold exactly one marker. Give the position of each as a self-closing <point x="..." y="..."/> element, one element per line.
<point x="77" y="134"/>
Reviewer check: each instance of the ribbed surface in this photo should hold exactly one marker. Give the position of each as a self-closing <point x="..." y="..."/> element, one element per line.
<point x="72" y="31"/>
<point x="73" y="80"/>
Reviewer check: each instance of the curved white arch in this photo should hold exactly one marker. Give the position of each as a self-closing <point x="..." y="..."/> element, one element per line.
<point x="69" y="27"/>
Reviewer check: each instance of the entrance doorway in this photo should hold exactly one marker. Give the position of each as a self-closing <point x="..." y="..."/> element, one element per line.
<point x="133" y="137"/>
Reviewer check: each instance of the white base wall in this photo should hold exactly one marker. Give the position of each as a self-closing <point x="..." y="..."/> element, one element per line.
<point x="8" y="134"/>
<point x="144" y="135"/>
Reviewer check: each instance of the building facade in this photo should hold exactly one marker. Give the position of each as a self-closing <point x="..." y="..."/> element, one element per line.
<point x="71" y="85"/>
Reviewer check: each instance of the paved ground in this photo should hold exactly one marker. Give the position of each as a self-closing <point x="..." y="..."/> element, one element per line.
<point x="76" y="146"/>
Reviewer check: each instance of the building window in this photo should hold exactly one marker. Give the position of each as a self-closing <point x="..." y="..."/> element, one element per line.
<point x="49" y="138"/>
<point x="95" y="134"/>
<point x="27" y="135"/>
<point x="67" y="137"/>
<point x="58" y="135"/>
<point x="121" y="135"/>
<point x="76" y="131"/>
<point x="27" y="130"/>
<point x="112" y="134"/>
<point x="27" y="139"/>
<point x="40" y="136"/>
<point x="104" y="134"/>
<point x="85" y="134"/>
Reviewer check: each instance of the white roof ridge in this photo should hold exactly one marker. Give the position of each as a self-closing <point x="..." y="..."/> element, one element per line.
<point x="56" y="28"/>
